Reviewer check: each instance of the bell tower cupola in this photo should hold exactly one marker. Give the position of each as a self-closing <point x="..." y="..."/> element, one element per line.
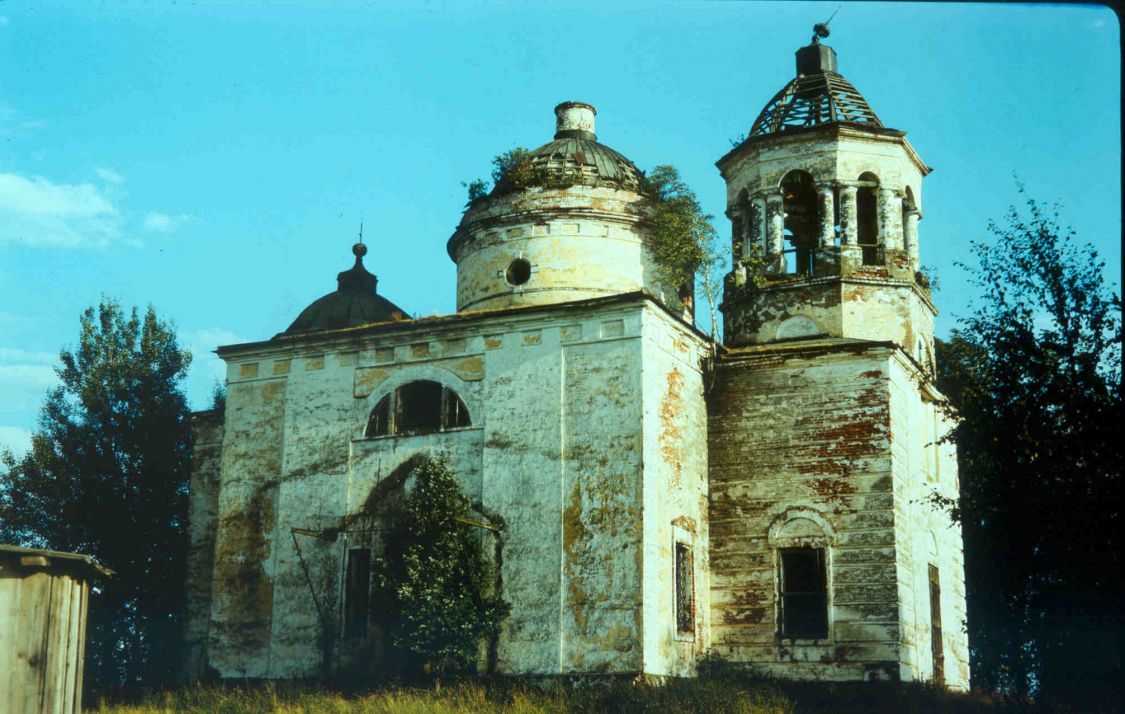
<point x="824" y="202"/>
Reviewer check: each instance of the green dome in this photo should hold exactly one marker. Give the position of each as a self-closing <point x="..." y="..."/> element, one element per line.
<point x="354" y="303"/>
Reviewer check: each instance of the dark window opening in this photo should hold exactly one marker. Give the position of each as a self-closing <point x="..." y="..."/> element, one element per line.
<point x="936" y="645"/>
<point x="685" y="589"/>
<point x="357" y="592"/>
<point x="456" y="413"/>
<point x="379" y="423"/>
<point x="736" y="231"/>
<point x="867" y="220"/>
<point x="519" y="272"/>
<point x="804" y="594"/>
<point x="802" y="223"/>
<point x="421" y="407"/>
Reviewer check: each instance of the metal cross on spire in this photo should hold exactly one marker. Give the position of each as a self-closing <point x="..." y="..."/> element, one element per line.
<point x="820" y="29"/>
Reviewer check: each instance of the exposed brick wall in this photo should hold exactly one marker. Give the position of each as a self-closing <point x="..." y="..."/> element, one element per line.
<point x="795" y="433"/>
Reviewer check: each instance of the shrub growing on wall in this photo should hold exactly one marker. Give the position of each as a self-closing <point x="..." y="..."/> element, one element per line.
<point x="435" y="578"/>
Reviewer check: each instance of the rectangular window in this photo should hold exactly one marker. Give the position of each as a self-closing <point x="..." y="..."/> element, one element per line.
<point x="804" y="593"/>
<point x="936" y="645"/>
<point x="357" y="592"/>
<point x="685" y="589"/>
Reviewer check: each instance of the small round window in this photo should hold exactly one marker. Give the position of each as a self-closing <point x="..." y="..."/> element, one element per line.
<point x="519" y="272"/>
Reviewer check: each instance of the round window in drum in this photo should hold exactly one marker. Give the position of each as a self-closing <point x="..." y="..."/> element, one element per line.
<point x="518" y="273"/>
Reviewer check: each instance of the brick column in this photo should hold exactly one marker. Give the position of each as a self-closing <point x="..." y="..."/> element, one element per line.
<point x="910" y="235"/>
<point x="775" y="226"/>
<point x="890" y="219"/>
<point x="848" y="216"/>
<point x="827" y="215"/>
<point x="758" y="225"/>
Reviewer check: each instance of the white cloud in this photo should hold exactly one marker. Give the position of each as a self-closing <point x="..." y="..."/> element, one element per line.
<point x="15" y="438"/>
<point x="37" y="211"/>
<point x="13" y="122"/>
<point x="109" y="175"/>
<point x="12" y="354"/>
<point x="28" y="376"/>
<point x="162" y="222"/>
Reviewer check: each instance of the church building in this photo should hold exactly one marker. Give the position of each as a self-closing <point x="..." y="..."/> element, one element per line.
<point x="653" y="498"/>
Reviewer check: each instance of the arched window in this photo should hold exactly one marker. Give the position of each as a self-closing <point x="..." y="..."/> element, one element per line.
<point x="801" y="223"/>
<point x="421" y="407"/>
<point x="867" y="219"/>
<point x="801" y="541"/>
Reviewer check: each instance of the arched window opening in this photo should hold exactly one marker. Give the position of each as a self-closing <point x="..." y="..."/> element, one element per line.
<point x="799" y="202"/>
<point x="801" y="542"/>
<point x="803" y="590"/>
<point x="421" y="407"/>
<point x="867" y="219"/>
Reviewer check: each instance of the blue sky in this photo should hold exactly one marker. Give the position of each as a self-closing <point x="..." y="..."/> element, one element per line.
<point x="214" y="158"/>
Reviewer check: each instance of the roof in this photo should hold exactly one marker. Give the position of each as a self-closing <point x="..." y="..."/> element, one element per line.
<point x="575" y="156"/>
<point x="818" y="95"/>
<point x="355" y="302"/>
<point x="433" y="321"/>
<point x="40" y="558"/>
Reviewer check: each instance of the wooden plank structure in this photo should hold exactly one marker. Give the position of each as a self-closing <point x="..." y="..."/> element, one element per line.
<point x="43" y="600"/>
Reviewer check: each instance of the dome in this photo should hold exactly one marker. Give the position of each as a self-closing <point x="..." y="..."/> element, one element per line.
<point x="354" y="303"/>
<point x="817" y="96"/>
<point x="575" y="156"/>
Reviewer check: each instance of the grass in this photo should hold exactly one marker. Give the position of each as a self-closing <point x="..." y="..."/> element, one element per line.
<point x="697" y="696"/>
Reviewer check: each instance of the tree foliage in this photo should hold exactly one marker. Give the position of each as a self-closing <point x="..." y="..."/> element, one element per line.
<point x="435" y="577"/>
<point x="1035" y="376"/>
<point x="107" y="476"/>
<point x="682" y="238"/>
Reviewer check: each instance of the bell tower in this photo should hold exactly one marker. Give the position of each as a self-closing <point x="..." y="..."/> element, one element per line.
<point x="829" y="558"/>
<point x="824" y="203"/>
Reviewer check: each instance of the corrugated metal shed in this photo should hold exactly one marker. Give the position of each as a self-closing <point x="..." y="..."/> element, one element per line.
<point x="43" y="599"/>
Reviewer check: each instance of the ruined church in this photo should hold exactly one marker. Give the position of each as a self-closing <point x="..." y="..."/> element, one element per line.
<point x="653" y="499"/>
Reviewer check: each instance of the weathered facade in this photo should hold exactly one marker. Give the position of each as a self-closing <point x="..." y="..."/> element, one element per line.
<point x="765" y="500"/>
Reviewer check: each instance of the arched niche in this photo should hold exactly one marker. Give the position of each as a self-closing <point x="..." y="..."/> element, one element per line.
<point x="797" y="326"/>
<point x="801" y="225"/>
<point x="867" y="218"/>
<point x="800" y="526"/>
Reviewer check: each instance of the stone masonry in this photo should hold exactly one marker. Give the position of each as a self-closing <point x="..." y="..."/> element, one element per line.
<point x="765" y="500"/>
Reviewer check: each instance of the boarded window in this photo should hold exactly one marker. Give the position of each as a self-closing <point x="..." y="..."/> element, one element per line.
<point x="357" y="592"/>
<point x="804" y="593"/>
<point x="685" y="589"/>
<point x="421" y="407"/>
<point x="936" y="644"/>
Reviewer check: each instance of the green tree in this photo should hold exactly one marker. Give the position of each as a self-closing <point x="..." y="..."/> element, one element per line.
<point x="107" y="476"/>
<point x="435" y="577"/>
<point x="1035" y="377"/>
<point x="682" y="237"/>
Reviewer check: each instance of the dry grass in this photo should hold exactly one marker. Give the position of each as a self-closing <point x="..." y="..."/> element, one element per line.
<point x="697" y="696"/>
